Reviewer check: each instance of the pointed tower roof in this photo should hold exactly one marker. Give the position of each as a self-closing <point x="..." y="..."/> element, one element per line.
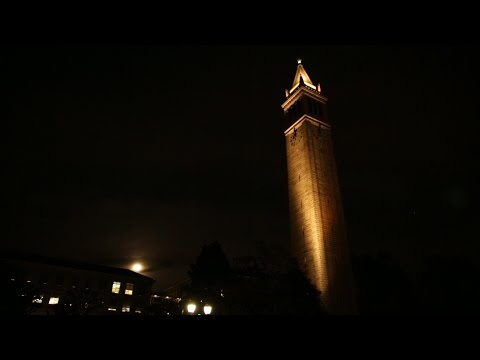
<point x="302" y="86"/>
<point x="301" y="77"/>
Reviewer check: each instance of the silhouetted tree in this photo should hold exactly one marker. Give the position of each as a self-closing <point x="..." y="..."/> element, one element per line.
<point x="268" y="284"/>
<point x="448" y="286"/>
<point x="382" y="286"/>
<point x="285" y="291"/>
<point x="273" y="257"/>
<point x="209" y="275"/>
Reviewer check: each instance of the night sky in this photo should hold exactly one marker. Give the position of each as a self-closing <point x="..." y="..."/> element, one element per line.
<point x="116" y="154"/>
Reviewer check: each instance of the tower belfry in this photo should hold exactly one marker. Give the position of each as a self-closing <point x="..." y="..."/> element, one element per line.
<point x="318" y="236"/>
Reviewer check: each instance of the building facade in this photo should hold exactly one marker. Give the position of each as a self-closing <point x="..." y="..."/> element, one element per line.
<point x="57" y="286"/>
<point x="318" y="236"/>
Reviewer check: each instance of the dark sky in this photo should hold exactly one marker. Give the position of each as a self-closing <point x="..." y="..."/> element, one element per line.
<point x="115" y="154"/>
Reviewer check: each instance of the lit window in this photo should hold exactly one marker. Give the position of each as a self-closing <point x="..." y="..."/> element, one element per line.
<point x="129" y="289"/>
<point x="138" y="311"/>
<point x="112" y="309"/>
<point x="53" y="300"/>
<point x="116" y="287"/>
<point x="126" y="308"/>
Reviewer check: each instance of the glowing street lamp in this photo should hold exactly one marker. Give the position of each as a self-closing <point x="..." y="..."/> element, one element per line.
<point x="191" y="308"/>
<point x="207" y="309"/>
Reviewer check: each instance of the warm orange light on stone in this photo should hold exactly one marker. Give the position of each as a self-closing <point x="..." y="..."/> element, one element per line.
<point x="317" y="221"/>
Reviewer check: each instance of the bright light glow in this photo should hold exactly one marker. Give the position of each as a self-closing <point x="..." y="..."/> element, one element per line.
<point x="207" y="309"/>
<point x="116" y="287"/>
<point x="299" y="61"/>
<point x="126" y="308"/>
<point x="137" y="267"/>
<point x="112" y="309"/>
<point x="191" y="308"/>
<point x="38" y="300"/>
<point x="53" y="300"/>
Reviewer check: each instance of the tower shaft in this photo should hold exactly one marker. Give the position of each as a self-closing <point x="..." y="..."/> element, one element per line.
<point x="318" y="236"/>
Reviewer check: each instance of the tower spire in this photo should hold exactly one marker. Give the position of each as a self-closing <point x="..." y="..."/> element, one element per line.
<point x="300" y="75"/>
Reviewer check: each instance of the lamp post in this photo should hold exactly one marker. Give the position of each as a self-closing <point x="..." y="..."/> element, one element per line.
<point x="191" y="307"/>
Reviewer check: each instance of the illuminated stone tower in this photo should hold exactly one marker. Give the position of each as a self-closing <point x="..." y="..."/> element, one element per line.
<point x="317" y="225"/>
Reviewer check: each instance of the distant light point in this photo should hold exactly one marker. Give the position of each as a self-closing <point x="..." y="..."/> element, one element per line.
<point x="137" y="267"/>
<point x="299" y="61"/>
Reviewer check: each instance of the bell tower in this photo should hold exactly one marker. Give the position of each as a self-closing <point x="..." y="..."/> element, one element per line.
<point x="317" y="225"/>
